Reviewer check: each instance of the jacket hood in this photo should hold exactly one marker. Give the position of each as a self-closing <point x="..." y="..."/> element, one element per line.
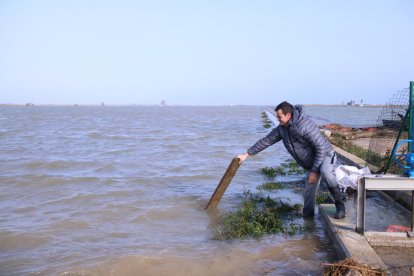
<point x="297" y="115"/>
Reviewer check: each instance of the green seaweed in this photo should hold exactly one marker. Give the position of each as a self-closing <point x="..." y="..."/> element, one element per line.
<point x="322" y="198"/>
<point x="267" y="125"/>
<point x="290" y="167"/>
<point x="269" y="186"/>
<point x="266" y="122"/>
<point x="257" y="216"/>
<point x="271" y="172"/>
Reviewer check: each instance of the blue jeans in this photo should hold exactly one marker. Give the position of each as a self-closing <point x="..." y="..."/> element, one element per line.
<point x="327" y="171"/>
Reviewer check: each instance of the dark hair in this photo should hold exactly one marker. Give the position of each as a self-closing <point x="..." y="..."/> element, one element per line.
<point x="286" y="107"/>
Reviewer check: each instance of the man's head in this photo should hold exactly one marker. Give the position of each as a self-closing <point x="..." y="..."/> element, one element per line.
<point x="284" y="113"/>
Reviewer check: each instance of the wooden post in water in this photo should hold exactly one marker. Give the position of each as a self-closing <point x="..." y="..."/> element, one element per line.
<point x="224" y="183"/>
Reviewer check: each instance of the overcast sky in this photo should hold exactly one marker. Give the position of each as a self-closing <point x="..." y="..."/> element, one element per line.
<point x="204" y="52"/>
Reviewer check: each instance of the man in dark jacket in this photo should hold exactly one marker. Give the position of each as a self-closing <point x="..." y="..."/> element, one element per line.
<point x="307" y="145"/>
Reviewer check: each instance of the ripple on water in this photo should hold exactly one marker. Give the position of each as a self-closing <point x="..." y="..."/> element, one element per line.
<point x="253" y="258"/>
<point x="69" y="224"/>
<point x="10" y="241"/>
<point x="24" y="210"/>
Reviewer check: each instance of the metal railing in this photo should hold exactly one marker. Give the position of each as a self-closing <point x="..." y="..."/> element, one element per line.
<point x="381" y="182"/>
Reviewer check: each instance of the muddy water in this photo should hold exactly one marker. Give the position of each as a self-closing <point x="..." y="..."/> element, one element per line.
<point x="122" y="190"/>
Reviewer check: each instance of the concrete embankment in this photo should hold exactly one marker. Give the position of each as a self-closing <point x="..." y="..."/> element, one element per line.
<point x="365" y="248"/>
<point x="348" y="243"/>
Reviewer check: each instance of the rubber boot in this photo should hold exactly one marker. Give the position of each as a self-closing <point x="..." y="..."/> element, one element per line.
<point x="308" y="214"/>
<point x="339" y="204"/>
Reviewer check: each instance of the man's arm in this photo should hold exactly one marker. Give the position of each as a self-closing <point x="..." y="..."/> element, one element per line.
<point x="268" y="140"/>
<point x="260" y="145"/>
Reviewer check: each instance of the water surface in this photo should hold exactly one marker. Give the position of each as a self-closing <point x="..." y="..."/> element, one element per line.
<point x="118" y="190"/>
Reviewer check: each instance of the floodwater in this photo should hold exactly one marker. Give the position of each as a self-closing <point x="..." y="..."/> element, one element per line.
<point x="122" y="190"/>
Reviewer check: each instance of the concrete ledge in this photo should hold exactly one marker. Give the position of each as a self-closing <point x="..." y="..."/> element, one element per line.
<point x="396" y="239"/>
<point x="348" y="243"/>
<point x="403" y="198"/>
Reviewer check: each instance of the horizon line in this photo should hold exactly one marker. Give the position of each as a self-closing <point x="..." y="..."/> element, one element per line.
<point x="166" y="105"/>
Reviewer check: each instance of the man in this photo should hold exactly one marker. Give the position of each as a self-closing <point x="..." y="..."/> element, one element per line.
<point x="304" y="141"/>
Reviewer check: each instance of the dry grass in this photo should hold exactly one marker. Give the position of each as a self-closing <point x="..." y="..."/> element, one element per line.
<point x="348" y="265"/>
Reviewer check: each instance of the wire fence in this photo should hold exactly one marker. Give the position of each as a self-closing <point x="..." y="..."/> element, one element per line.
<point x="392" y="125"/>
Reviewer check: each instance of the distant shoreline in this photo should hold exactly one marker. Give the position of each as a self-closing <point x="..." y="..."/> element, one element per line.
<point x="178" y="105"/>
<point x="336" y="105"/>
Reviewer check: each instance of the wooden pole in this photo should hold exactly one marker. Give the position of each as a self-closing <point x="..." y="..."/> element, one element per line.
<point x="224" y="183"/>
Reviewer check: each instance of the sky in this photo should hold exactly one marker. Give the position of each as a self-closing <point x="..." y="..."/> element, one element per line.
<point x="204" y="52"/>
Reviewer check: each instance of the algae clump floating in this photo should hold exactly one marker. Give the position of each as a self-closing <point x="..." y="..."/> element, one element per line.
<point x="257" y="216"/>
<point x="322" y="197"/>
<point x="270" y="172"/>
<point x="266" y="122"/>
<point x="289" y="167"/>
<point x="269" y="186"/>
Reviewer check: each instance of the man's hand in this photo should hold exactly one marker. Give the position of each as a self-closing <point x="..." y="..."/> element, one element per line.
<point x="243" y="157"/>
<point x="313" y="178"/>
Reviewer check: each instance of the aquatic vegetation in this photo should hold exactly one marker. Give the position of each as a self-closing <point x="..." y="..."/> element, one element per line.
<point x="257" y="216"/>
<point x="267" y="125"/>
<point x="290" y="167"/>
<point x="266" y="122"/>
<point x="272" y="172"/>
<point x="269" y="186"/>
<point x="365" y="154"/>
<point x="322" y="197"/>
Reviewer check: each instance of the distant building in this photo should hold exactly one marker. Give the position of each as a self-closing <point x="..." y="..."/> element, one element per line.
<point x="351" y="103"/>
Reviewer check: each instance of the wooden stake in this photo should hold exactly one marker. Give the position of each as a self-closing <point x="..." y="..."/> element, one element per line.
<point x="224" y="183"/>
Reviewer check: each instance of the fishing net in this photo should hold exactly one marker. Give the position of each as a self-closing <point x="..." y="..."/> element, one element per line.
<point x="391" y="123"/>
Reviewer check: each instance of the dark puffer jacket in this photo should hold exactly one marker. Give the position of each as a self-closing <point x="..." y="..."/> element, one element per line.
<point x="302" y="139"/>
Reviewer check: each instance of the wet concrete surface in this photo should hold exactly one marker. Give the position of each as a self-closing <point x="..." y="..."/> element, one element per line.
<point x="381" y="212"/>
<point x="399" y="261"/>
